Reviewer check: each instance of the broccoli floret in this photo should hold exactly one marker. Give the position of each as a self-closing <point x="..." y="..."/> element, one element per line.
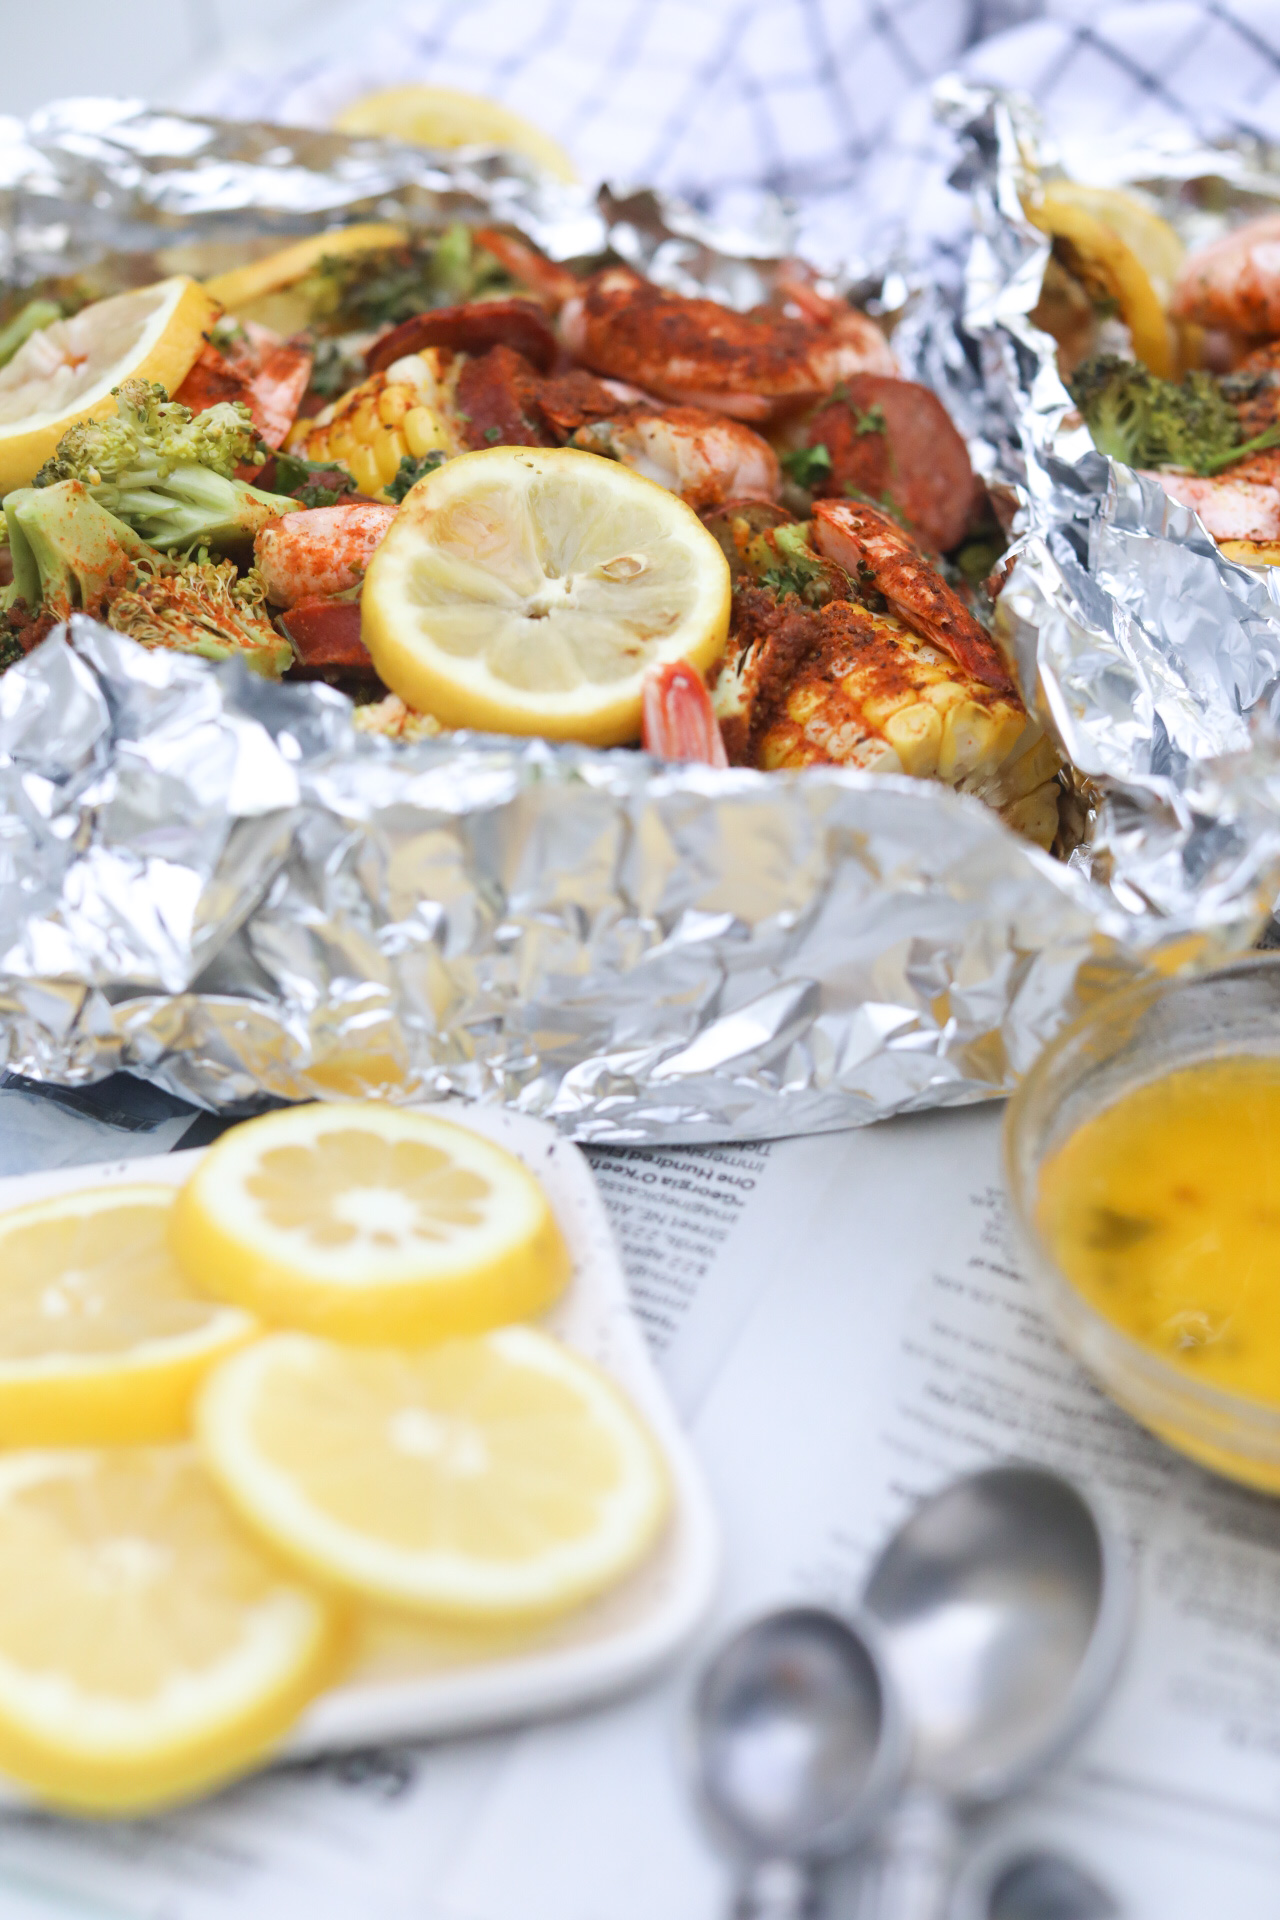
<point x="1136" y="417"/>
<point x="166" y="472"/>
<point x="68" y="552"/>
<point x="201" y="607"/>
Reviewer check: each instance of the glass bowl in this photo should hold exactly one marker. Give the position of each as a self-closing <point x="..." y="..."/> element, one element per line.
<point x="1128" y="1040"/>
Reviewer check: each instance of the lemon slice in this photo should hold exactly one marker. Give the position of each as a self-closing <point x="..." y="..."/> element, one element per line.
<point x="1122" y="251"/>
<point x="369" y="1223"/>
<point x="102" y="1338"/>
<point x="440" y="117"/>
<point x="68" y="369"/>
<point x="149" y="1648"/>
<point x="240" y="286"/>
<point x="481" y="1479"/>
<point x="524" y="590"/>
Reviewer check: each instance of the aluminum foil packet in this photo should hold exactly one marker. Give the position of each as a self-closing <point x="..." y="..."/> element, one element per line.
<point x="217" y="883"/>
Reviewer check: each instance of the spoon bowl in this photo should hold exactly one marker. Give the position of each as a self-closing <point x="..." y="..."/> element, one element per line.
<point x="799" y="1747"/>
<point x="1002" y="1605"/>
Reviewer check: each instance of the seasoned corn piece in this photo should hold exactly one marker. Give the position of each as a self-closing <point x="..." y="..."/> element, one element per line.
<point x="388" y="451"/>
<point x="915" y="734"/>
<point x="424" y="433"/>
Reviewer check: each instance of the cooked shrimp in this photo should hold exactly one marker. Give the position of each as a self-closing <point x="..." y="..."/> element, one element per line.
<point x="868" y="545"/>
<point x="1231" y="508"/>
<point x="1234" y="282"/>
<point x="268" y="374"/>
<point x="546" y="279"/>
<point x="320" y="552"/>
<point x="700" y="353"/>
<point x="703" y="457"/>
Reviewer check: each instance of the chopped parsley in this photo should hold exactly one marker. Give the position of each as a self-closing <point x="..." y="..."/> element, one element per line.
<point x="808" y="466"/>
<point x="410" y="471"/>
<point x="315" y="483"/>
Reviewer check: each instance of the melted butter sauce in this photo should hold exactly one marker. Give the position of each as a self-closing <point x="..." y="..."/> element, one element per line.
<point x="1164" y="1212"/>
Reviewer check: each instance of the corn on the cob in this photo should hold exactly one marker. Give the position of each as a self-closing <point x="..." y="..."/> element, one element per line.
<point x="404" y="411"/>
<point x="868" y="693"/>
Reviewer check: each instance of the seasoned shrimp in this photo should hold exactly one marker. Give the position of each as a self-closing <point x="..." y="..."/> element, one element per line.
<point x="267" y="373"/>
<point x="870" y="547"/>
<point x="1234" y="282"/>
<point x="750" y="365"/>
<point x="1231" y="508"/>
<point x="319" y="552"/>
<point x="704" y="457"/>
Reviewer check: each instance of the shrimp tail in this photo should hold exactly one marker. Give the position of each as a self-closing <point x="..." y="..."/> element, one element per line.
<point x="678" y="719"/>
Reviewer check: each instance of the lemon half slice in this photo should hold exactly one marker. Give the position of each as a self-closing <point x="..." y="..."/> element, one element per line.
<point x="524" y="590"/>
<point x="67" y="370"/>
<point x="102" y="1337"/>
<point x="149" y="1648"/>
<point x="480" y="1480"/>
<point x="442" y="117"/>
<point x="369" y="1223"/>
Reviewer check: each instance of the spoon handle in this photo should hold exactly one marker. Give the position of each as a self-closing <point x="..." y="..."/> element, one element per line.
<point x="775" y="1890"/>
<point x="912" y="1877"/>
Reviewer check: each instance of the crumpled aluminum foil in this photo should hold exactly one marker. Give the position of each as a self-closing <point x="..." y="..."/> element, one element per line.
<point x="216" y="883"/>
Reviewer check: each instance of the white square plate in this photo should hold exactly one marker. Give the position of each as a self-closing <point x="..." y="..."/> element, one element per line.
<point x="409" y="1680"/>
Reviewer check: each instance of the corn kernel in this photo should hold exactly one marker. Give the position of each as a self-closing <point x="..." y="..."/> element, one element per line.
<point x="915" y="734"/>
<point x="388" y="450"/>
<point x="393" y="404"/>
<point x="364" y="470"/>
<point x="364" y="419"/>
<point x="342" y="443"/>
<point x="423" y="432"/>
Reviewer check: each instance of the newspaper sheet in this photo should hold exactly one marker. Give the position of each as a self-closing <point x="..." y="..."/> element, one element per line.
<point x="842" y="1325"/>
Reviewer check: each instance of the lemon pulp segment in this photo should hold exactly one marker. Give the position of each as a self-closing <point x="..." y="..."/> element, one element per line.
<point x="526" y="590"/>
<point x="487" y="1478"/>
<point x="102" y="1336"/>
<point x="149" y="1648"/>
<point x="67" y="370"/>
<point x="369" y="1223"/>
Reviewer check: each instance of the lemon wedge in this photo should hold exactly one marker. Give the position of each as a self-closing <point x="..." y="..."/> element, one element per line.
<point x="102" y="1338"/>
<point x="526" y="590"/>
<point x="239" y="287"/>
<point x="1121" y="250"/>
<point x="67" y="370"/>
<point x="441" y="117"/>
<point x="478" y="1480"/>
<point x="149" y="1648"/>
<point x="369" y="1223"/>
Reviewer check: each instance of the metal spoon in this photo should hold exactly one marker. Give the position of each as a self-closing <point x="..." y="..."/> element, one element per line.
<point x="799" y="1748"/>
<point x="1003" y="1606"/>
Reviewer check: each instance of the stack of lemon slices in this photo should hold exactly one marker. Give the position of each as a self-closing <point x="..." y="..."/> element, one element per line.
<point x="241" y="1413"/>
